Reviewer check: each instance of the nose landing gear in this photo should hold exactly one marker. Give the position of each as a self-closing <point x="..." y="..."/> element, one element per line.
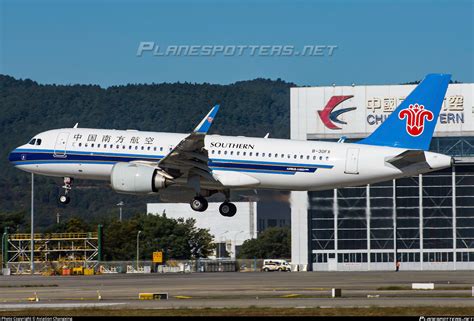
<point x="65" y="199"/>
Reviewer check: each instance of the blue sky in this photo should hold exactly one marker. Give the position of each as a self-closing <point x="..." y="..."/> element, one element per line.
<point x="95" y="42"/>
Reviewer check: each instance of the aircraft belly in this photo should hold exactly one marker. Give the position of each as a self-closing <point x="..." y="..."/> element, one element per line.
<point x="84" y="171"/>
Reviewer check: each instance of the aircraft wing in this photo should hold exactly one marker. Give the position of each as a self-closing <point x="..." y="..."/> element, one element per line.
<point x="189" y="157"/>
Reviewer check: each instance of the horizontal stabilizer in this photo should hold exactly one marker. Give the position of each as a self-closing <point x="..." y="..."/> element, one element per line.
<point x="409" y="158"/>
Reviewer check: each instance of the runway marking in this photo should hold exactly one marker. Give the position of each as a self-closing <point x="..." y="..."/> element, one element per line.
<point x="55" y="305"/>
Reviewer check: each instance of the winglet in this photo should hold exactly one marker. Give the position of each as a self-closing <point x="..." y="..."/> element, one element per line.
<point x="205" y="124"/>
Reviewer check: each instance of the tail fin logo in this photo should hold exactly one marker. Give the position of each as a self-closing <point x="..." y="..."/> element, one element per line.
<point x="415" y="115"/>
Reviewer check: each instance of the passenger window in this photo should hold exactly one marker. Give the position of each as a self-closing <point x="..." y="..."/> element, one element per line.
<point x="225" y="152"/>
<point x="276" y="155"/>
<point x="263" y="154"/>
<point x="256" y="154"/>
<point x="219" y="152"/>
<point x="85" y="145"/>
<point x="327" y="157"/>
<point x="98" y="145"/>
<point x="320" y="157"/>
<point x="111" y="146"/>
<point x="307" y="156"/>
<point x="129" y="147"/>
<point x="289" y="156"/>
<point x="123" y="146"/>
<point x="92" y="145"/>
<point x="212" y="151"/>
<point x="136" y="147"/>
<point x="117" y="147"/>
<point x="238" y="153"/>
<point x="282" y="155"/>
<point x="154" y="149"/>
<point x="161" y="149"/>
<point x="80" y="144"/>
<point x="250" y="154"/>
<point x="143" y="147"/>
<point x="148" y="148"/>
<point x="244" y="153"/>
<point x="295" y="156"/>
<point x="301" y="156"/>
<point x="314" y="157"/>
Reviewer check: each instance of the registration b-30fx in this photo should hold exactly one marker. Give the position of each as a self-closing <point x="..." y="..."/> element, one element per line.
<point x="192" y="167"/>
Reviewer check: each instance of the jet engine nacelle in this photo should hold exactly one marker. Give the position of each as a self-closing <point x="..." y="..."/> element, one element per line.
<point x="136" y="178"/>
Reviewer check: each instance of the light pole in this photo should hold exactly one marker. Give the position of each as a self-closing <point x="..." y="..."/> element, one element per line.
<point x="138" y="247"/>
<point x="32" y="266"/>
<point x="235" y="243"/>
<point x="120" y="205"/>
<point x="220" y="243"/>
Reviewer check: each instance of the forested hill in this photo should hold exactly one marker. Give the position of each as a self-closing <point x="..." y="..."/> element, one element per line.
<point x="250" y="108"/>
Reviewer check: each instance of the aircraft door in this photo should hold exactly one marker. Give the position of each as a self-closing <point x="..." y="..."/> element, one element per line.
<point x="352" y="161"/>
<point x="60" y="146"/>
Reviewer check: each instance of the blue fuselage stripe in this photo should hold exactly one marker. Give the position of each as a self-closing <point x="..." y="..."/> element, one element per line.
<point x="31" y="156"/>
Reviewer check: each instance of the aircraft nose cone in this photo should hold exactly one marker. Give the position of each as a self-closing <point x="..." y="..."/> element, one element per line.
<point x="13" y="156"/>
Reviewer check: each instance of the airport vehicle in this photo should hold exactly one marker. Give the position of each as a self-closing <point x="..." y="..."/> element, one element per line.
<point x="191" y="167"/>
<point x="276" y="265"/>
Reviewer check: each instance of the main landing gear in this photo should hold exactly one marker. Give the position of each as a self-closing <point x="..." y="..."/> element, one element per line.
<point x="227" y="209"/>
<point x="200" y="204"/>
<point x="64" y="198"/>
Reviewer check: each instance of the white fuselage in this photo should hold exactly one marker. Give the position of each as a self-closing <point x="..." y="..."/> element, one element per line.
<point x="275" y="163"/>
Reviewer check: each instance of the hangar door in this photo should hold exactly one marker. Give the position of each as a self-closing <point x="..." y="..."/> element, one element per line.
<point x="352" y="161"/>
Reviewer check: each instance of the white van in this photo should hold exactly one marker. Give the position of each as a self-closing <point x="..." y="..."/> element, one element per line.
<point x="276" y="265"/>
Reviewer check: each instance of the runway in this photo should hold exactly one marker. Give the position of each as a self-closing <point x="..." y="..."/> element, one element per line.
<point x="238" y="290"/>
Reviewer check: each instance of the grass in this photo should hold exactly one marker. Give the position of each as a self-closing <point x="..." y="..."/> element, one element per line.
<point x="250" y="311"/>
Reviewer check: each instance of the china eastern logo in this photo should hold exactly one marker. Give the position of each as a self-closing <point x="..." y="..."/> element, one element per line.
<point x="329" y="117"/>
<point x="415" y="115"/>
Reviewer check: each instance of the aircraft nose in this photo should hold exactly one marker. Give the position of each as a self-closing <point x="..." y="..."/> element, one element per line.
<point x="13" y="156"/>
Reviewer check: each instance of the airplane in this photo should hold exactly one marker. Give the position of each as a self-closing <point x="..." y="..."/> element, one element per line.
<point x="191" y="167"/>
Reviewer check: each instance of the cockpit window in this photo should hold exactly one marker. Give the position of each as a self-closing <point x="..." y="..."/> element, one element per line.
<point x="32" y="142"/>
<point x="38" y="141"/>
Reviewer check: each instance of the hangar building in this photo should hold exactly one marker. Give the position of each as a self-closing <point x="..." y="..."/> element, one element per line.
<point x="426" y="222"/>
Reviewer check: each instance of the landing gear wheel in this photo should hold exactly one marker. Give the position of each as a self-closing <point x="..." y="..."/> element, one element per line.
<point x="64" y="199"/>
<point x="227" y="209"/>
<point x="199" y="204"/>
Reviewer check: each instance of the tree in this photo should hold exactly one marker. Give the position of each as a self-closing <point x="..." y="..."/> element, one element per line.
<point x="178" y="239"/>
<point x="274" y="242"/>
<point x="13" y="220"/>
